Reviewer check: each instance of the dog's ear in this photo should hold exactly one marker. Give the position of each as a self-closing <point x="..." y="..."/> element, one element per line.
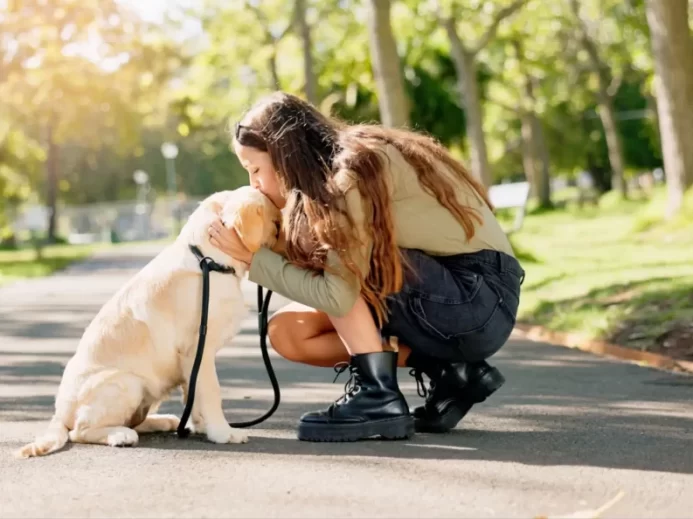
<point x="250" y="225"/>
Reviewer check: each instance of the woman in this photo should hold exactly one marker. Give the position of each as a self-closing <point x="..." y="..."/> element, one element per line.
<point x="386" y="236"/>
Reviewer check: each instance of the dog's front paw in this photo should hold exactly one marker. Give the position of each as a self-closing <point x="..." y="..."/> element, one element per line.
<point x="226" y="434"/>
<point x="197" y="426"/>
<point x="123" y="437"/>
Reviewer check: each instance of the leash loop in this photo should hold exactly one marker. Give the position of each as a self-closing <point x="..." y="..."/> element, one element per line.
<point x="207" y="264"/>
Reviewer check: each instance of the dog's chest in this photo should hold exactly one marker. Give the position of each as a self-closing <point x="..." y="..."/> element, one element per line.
<point x="227" y="308"/>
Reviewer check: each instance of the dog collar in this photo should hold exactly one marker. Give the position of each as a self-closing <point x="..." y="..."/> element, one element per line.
<point x="212" y="265"/>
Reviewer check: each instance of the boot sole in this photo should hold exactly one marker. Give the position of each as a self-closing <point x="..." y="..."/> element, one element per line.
<point x="488" y="384"/>
<point x="389" y="429"/>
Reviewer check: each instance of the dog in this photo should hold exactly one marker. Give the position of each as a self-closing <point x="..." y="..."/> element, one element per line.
<point x="142" y="343"/>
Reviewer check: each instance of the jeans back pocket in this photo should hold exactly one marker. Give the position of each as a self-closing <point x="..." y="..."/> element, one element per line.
<point x="448" y="319"/>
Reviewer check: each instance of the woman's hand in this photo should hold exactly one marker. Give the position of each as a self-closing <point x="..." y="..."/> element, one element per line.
<point x="228" y="242"/>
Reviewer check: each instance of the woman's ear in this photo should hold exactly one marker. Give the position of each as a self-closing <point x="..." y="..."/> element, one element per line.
<point x="250" y="224"/>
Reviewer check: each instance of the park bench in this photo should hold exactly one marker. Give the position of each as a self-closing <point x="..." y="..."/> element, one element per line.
<point x="511" y="196"/>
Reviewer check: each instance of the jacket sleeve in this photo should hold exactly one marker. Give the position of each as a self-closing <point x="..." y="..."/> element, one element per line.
<point x="333" y="292"/>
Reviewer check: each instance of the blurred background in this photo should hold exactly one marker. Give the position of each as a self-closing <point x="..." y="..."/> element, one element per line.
<point x="114" y="118"/>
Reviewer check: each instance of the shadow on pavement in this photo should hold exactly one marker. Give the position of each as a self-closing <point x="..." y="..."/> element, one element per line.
<point x="558" y="407"/>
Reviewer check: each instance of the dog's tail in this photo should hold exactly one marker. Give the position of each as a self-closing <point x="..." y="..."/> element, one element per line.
<point x="53" y="439"/>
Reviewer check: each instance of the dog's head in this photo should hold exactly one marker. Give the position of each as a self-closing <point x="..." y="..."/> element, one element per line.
<point x="245" y="209"/>
<point x="253" y="215"/>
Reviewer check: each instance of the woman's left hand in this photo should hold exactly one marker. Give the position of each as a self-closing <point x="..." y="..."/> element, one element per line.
<point x="228" y="242"/>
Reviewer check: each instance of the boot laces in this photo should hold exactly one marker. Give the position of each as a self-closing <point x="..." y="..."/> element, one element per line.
<point x="421" y="388"/>
<point x="352" y="386"/>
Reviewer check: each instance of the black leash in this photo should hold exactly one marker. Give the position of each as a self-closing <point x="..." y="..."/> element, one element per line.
<point x="209" y="265"/>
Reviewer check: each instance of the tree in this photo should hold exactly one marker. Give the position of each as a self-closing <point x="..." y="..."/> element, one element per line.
<point x="20" y="164"/>
<point x="394" y="106"/>
<point x="608" y="84"/>
<point x="48" y="79"/>
<point x="272" y="36"/>
<point x="672" y="47"/>
<point x="464" y="54"/>
<point x="310" y="87"/>
<point x="535" y="153"/>
<point x="73" y="81"/>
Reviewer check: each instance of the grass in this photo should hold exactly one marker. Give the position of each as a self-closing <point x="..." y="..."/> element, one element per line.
<point x="23" y="263"/>
<point x="601" y="272"/>
<point x="18" y="264"/>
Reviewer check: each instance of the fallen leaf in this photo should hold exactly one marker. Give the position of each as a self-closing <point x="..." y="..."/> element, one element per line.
<point x="594" y="513"/>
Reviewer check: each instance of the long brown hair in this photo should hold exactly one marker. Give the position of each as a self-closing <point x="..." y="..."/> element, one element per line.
<point x="308" y="149"/>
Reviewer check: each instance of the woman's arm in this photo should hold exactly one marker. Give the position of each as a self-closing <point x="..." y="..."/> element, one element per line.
<point x="333" y="293"/>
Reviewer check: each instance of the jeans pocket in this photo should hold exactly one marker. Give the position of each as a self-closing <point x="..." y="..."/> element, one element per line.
<point x="447" y="319"/>
<point x="508" y="288"/>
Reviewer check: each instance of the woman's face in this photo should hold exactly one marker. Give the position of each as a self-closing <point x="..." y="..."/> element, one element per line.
<point x="261" y="172"/>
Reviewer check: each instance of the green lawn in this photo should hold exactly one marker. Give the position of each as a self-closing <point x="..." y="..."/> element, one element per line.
<point x="24" y="263"/>
<point x="613" y="273"/>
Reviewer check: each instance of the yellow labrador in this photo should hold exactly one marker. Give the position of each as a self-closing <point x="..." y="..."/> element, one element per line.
<point x="141" y="345"/>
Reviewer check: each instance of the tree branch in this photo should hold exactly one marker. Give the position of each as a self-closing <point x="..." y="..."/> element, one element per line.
<point x="456" y="42"/>
<point x="584" y="37"/>
<point x="493" y="28"/>
<point x="448" y="23"/>
<point x="269" y="38"/>
<point x="504" y="105"/>
<point x="603" y="71"/>
<point x="291" y="24"/>
<point x="615" y="85"/>
<point x="323" y="11"/>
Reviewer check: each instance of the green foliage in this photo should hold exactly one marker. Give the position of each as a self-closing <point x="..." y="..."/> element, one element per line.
<point x="435" y="101"/>
<point x="113" y="87"/>
<point x="599" y="277"/>
<point x="20" y="158"/>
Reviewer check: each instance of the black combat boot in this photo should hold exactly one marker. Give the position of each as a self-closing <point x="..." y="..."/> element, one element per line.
<point x="372" y="405"/>
<point x="454" y="389"/>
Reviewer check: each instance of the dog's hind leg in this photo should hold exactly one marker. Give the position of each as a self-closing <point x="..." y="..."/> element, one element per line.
<point x="106" y="405"/>
<point x="113" y="436"/>
<point x="158" y="423"/>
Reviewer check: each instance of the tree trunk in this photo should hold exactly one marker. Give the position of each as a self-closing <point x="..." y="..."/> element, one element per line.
<point x="672" y="47"/>
<point x="613" y="143"/>
<point x="392" y="99"/>
<point x="465" y="66"/>
<point x="310" y="86"/>
<point x="535" y="153"/>
<point x="605" y="96"/>
<point x="272" y="63"/>
<point x="535" y="158"/>
<point x="51" y="183"/>
<point x="529" y="163"/>
<point x="544" y="191"/>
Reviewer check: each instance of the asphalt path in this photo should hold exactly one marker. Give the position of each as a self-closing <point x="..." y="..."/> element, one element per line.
<point x="568" y="433"/>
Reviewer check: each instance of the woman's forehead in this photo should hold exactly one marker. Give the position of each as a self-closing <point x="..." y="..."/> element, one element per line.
<point x="248" y="155"/>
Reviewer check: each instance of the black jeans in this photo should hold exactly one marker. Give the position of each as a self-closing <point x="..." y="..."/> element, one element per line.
<point x="458" y="308"/>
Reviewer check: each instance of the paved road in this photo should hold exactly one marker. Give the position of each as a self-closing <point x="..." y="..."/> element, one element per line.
<point x="568" y="432"/>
